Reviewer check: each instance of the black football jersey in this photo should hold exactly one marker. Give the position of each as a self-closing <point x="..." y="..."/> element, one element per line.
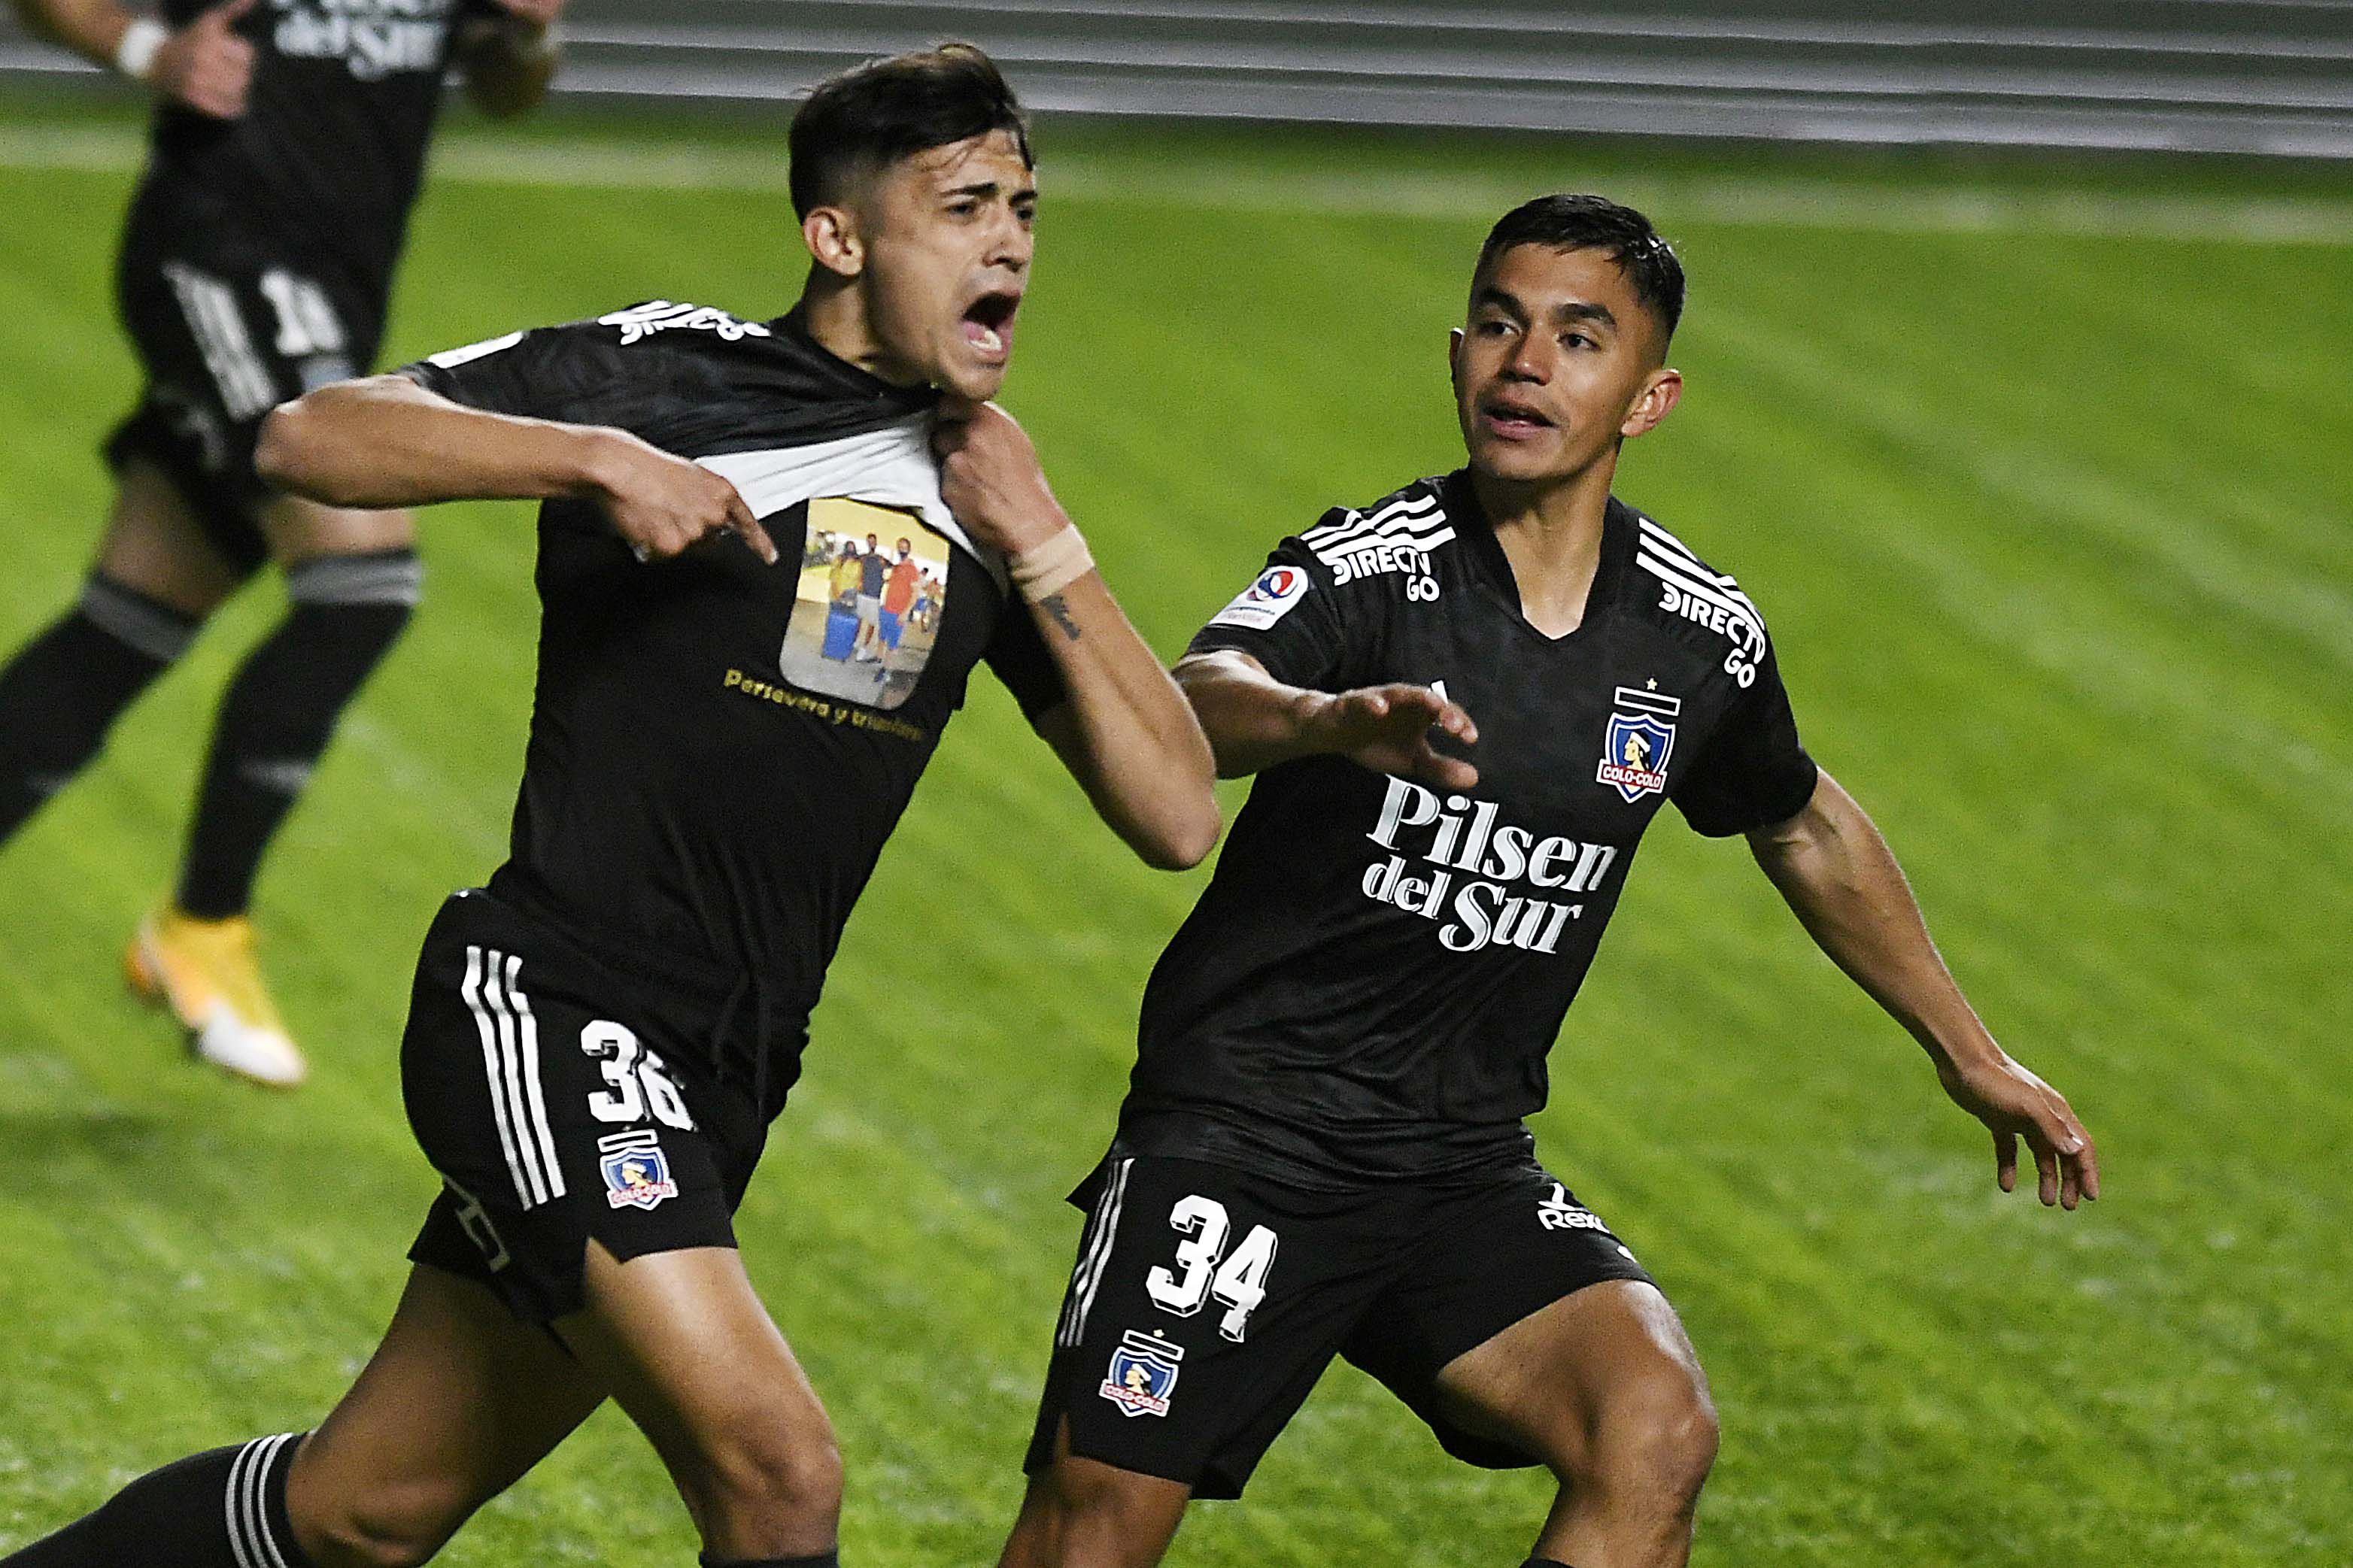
<point x="325" y="162"/>
<point x="1370" y="986"/>
<point x="720" y="747"/>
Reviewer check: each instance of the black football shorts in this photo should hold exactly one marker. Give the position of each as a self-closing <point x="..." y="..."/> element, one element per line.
<point x="562" y="1100"/>
<point x="226" y="325"/>
<point x="1207" y="1301"/>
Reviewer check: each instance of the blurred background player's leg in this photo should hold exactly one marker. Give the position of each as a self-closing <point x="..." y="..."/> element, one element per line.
<point x="352" y="583"/>
<point x="157" y="576"/>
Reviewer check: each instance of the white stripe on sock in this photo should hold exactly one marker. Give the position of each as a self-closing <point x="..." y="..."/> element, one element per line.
<point x="257" y="1485"/>
<point x="229" y="1509"/>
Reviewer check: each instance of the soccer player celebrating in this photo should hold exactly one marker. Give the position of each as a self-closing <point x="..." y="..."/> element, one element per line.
<point x="1465" y="703"/>
<point x="598" y="1039"/>
<point x="288" y="140"/>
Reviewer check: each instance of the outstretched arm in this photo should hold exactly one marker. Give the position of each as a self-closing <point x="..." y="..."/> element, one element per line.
<point x="1255" y="721"/>
<point x="1839" y="876"/>
<point x="384" y="441"/>
<point x="1125" y="732"/>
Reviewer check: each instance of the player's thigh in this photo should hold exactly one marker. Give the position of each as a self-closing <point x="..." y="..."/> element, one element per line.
<point x="226" y="324"/>
<point x="1512" y="1304"/>
<point x="688" y="1351"/>
<point x="298" y="529"/>
<point x="156" y="545"/>
<point x="459" y="1400"/>
<point x="1607" y="1366"/>
<point x="1081" y="1513"/>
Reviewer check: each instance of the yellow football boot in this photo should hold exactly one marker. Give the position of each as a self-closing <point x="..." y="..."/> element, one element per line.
<point x="204" y="971"/>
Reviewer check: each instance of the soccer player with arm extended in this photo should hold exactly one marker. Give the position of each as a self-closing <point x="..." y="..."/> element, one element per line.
<point x="289" y="141"/>
<point x="598" y="1039"/>
<point x="1464" y="704"/>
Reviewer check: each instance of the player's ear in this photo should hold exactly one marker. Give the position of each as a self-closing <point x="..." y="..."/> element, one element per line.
<point x="1655" y="402"/>
<point x="832" y="237"/>
<point x="1454" y="356"/>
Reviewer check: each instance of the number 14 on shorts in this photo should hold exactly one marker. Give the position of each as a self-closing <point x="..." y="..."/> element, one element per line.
<point x="1238" y="1278"/>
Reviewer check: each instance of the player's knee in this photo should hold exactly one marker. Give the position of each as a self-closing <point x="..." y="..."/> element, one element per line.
<point x="346" y="1514"/>
<point x="378" y="1533"/>
<point x="773" y="1474"/>
<point x="300" y="532"/>
<point x="1659" y="1441"/>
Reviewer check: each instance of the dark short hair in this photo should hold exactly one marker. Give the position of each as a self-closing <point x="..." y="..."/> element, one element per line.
<point x="1596" y="223"/>
<point x="870" y="116"/>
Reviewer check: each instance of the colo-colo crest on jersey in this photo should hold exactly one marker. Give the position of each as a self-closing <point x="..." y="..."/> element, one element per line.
<point x="1638" y="743"/>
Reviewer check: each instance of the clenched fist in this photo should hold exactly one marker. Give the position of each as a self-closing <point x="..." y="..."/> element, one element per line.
<point x="990" y="477"/>
<point x="206" y="65"/>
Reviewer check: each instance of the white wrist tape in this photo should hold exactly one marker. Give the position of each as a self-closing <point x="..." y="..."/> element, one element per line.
<point x="1046" y="569"/>
<point x="134" y="56"/>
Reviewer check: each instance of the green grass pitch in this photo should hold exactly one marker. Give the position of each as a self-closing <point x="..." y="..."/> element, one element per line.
<point x="2051" y="517"/>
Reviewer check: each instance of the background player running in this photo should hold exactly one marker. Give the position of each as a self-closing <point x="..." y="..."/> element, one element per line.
<point x="598" y="1039"/>
<point x="1465" y="704"/>
<point x="287" y="144"/>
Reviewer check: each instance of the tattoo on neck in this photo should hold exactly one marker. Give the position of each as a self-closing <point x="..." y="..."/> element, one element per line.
<point x="1053" y="604"/>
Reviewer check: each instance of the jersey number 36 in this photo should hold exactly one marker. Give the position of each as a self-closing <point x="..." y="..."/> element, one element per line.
<point x="1238" y="1280"/>
<point x="636" y="1079"/>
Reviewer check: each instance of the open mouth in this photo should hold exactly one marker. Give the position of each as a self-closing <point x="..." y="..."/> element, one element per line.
<point x="988" y="322"/>
<point x="1510" y="417"/>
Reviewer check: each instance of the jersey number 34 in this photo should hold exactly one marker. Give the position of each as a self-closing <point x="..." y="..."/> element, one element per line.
<point x="1238" y="1278"/>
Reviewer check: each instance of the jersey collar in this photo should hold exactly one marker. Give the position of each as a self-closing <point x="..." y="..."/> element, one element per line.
<point x="1473" y="525"/>
<point x="840" y="379"/>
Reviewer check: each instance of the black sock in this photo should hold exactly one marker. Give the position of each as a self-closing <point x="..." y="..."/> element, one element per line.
<point x="64" y="690"/>
<point x="222" y="1509"/>
<point x="281" y="709"/>
<point x="822" y="1560"/>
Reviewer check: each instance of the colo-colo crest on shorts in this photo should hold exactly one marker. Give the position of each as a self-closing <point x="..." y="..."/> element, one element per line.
<point x="1143" y="1375"/>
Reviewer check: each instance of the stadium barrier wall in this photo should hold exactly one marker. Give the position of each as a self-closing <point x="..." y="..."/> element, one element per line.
<point x="2257" y="76"/>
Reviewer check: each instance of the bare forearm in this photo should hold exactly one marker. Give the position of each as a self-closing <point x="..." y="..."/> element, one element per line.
<point x="386" y="442"/>
<point x="1126" y="732"/>
<point x="91" y="28"/>
<point x="1842" y="882"/>
<point x="1253" y="721"/>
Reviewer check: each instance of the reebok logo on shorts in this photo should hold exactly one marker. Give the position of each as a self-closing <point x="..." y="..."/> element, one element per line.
<point x="637" y="1175"/>
<point x="1143" y="1375"/>
<point x="1558" y="1211"/>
